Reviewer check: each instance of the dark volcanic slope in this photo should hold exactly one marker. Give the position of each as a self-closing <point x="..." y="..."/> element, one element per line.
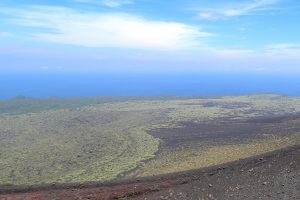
<point x="275" y="175"/>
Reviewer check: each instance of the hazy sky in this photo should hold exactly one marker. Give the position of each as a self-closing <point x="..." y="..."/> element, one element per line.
<point x="260" y="36"/>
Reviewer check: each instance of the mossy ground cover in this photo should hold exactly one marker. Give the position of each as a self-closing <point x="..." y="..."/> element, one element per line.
<point x="83" y="140"/>
<point x="72" y="146"/>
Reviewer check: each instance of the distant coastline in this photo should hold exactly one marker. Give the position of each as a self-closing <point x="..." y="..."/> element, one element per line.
<point x="75" y="85"/>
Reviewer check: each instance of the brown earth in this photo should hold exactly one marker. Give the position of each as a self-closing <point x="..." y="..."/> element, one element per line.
<point x="274" y="175"/>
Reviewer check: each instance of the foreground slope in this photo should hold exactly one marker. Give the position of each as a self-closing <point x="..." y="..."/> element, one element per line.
<point x="275" y="175"/>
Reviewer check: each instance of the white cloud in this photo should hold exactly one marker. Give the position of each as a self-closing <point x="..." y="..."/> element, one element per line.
<point x="109" y="3"/>
<point x="116" y="3"/>
<point x="283" y="46"/>
<point x="285" y="50"/>
<point x="5" y="34"/>
<point x="234" y="53"/>
<point x="119" y="30"/>
<point x="239" y="9"/>
<point x="274" y="51"/>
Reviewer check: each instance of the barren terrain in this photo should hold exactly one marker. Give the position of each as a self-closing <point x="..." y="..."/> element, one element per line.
<point x="96" y="143"/>
<point x="274" y="175"/>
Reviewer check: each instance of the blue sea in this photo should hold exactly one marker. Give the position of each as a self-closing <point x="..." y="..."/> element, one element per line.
<point x="201" y="84"/>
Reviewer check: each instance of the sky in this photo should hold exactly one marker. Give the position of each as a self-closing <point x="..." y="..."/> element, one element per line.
<point x="150" y="36"/>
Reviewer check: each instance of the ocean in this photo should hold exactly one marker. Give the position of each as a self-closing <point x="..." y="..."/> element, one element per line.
<point x="201" y="84"/>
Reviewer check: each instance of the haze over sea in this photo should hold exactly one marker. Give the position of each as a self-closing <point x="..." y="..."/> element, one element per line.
<point x="149" y="48"/>
<point x="205" y="84"/>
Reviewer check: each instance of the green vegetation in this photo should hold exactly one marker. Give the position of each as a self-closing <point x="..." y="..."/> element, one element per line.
<point x="22" y="105"/>
<point x="81" y="145"/>
<point x="99" y="139"/>
<point x="122" y="198"/>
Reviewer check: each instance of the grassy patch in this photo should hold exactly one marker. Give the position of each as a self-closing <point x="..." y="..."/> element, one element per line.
<point x="72" y="146"/>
